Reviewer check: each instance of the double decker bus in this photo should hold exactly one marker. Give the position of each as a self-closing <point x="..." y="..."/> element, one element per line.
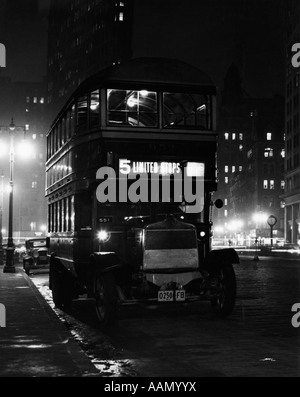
<point x="130" y="176"/>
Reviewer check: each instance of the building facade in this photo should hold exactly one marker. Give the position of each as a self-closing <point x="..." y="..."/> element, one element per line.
<point x="25" y="102"/>
<point x="250" y="165"/>
<point x="291" y="197"/>
<point x="84" y="37"/>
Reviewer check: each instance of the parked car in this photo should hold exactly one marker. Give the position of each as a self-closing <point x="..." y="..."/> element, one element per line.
<point x="36" y="254"/>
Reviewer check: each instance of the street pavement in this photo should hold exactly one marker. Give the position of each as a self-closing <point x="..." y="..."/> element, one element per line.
<point x="257" y="340"/>
<point x="35" y="343"/>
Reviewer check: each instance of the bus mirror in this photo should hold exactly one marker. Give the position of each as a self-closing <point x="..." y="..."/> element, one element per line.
<point x="219" y="203"/>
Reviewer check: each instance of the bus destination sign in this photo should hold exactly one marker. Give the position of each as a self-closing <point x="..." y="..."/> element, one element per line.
<point x="161" y="168"/>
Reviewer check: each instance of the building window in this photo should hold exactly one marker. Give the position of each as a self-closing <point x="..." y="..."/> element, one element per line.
<point x="233" y="168"/>
<point x="33" y="226"/>
<point x="282" y="153"/>
<point x="240" y="168"/>
<point x="268" y="152"/>
<point x="233" y="136"/>
<point x="249" y="154"/>
<point x="282" y="184"/>
<point x="266" y="184"/>
<point x="225" y="213"/>
<point x="225" y="201"/>
<point x="269" y="136"/>
<point x="34" y="184"/>
<point x="27" y="99"/>
<point x="226" y="179"/>
<point x="26" y="127"/>
<point x="226" y="168"/>
<point x="240" y="136"/>
<point x="42" y="100"/>
<point x="34" y="136"/>
<point x="272" y="184"/>
<point x="35" y="99"/>
<point x="226" y="136"/>
<point x="240" y="148"/>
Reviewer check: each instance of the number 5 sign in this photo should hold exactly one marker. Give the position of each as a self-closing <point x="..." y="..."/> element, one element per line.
<point x="2" y="316"/>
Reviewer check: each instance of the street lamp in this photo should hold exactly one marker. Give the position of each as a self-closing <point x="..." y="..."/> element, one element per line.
<point x="9" y="265"/>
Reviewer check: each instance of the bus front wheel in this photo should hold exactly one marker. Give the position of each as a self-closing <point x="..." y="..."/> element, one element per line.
<point x="105" y="294"/>
<point x="223" y="290"/>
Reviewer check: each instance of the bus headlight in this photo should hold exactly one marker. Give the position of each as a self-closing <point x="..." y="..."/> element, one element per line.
<point x="103" y="236"/>
<point x="202" y="233"/>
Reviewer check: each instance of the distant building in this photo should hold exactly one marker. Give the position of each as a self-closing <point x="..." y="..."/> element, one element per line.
<point x="84" y="38"/>
<point x="250" y="165"/>
<point x="292" y="127"/>
<point x="26" y="103"/>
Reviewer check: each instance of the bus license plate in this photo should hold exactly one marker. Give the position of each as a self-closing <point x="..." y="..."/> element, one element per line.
<point x="169" y="296"/>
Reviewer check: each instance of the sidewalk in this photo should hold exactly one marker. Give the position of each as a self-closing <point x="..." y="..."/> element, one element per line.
<point x="35" y="343"/>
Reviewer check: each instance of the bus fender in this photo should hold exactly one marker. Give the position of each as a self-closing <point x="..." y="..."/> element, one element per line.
<point x="222" y="257"/>
<point x="101" y="262"/>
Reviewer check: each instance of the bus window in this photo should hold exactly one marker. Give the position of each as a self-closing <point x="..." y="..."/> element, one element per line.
<point x="94" y="109"/>
<point x="72" y="121"/>
<point x="186" y="110"/>
<point x="134" y="108"/>
<point x="63" y="130"/>
<point x="82" y="112"/>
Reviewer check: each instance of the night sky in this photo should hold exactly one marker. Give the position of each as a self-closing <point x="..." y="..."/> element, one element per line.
<point x="210" y="34"/>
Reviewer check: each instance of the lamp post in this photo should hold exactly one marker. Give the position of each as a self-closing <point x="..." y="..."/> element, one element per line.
<point x="1" y="217"/>
<point x="9" y="266"/>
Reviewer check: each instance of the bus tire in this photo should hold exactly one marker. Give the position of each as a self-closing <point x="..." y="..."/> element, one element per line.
<point x="105" y="294"/>
<point x="223" y="290"/>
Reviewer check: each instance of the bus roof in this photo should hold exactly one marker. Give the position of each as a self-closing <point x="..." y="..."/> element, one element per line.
<point x="145" y="73"/>
<point x="150" y="72"/>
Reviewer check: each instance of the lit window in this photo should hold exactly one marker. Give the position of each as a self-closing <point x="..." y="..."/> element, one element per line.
<point x="240" y="136"/>
<point x="282" y="153"/>
<point x="42" y="100"/>
<point x="226" y="168"/>
<point x="121" y="3"/>
<point x="121" y="16"/>
<point x="33" y="226"/>
<point x="233" y="136"/>
<point x="226" y="136"/>
<point x="240" y="168"/>
<point x="240" y="148"/>
<point x="33" y="136"/>
<point x="266" y="184"/>
<point x="269" y="136"/>
<point x="35" y="99"/>
<point x="233" y="168"/>
<point x="282" y="184"/>
<point x="249" y="154"/>
<point x="268" y="152"/>
<point x="27" y="110"/>
<point x="226" y="179"/>
<point x="225" y="212"/>
<point x="225" y="201"/>
<point x="34" y="184"/>
<point x="272" y="184"/>
<point x="26" y="127"/>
